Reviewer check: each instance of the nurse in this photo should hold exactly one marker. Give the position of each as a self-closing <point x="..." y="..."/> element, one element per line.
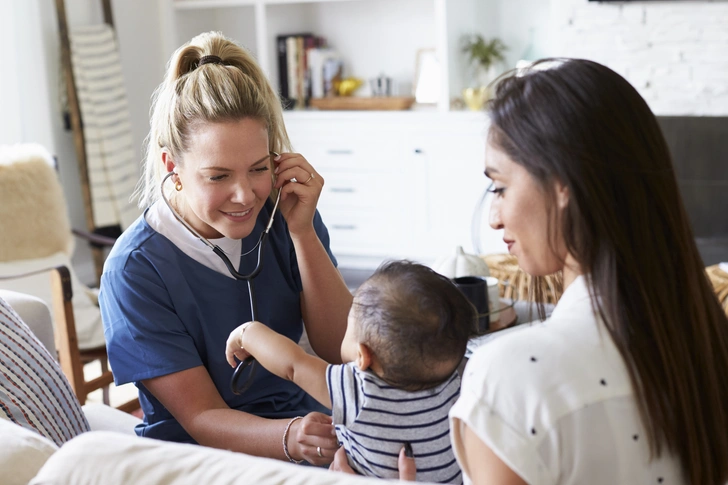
<point x="168" y="302"/>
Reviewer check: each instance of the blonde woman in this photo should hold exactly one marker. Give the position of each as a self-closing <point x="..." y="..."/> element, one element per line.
<point x="169" y="302"/>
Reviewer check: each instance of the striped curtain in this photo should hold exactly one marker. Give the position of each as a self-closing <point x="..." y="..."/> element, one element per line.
<point x="113" y="168"/>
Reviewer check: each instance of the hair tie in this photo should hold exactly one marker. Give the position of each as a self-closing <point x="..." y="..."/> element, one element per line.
<point x="209" y="60"/>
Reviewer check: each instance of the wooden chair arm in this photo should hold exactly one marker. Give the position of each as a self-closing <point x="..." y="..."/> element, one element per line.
<point x="69" y="356"/>
<point x="96" y="239"/>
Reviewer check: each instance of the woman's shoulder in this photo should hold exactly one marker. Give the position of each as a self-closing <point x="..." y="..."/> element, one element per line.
<point x="138" y="239"/>
<point x="549" y="369"/>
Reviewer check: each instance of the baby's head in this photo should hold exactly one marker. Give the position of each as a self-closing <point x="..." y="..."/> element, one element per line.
<point x="410" y="325"/>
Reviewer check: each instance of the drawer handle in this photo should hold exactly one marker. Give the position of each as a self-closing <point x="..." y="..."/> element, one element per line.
<point x="340" y="152"/>
<point x="343" y="190"/>
<point x="344" y="227"/>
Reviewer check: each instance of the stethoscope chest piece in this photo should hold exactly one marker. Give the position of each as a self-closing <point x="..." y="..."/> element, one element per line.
<point x="245" y="372"/>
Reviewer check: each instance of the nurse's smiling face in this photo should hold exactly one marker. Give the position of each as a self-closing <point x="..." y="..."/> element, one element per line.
<point x="226" y="177"/>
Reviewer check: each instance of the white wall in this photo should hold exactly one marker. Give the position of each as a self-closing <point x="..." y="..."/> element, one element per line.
<point x="674" y="53"/>
<point x="10" y="127"/>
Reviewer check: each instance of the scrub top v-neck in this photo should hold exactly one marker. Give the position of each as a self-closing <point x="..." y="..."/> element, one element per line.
<point x="165" y="312"/>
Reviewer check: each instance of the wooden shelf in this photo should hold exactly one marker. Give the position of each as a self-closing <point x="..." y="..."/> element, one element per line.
<point x="352" y="103"/>
<point x="199" y="4"/>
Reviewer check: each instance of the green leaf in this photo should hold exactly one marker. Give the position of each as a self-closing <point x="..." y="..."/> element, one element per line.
<point x="482" y="52"/>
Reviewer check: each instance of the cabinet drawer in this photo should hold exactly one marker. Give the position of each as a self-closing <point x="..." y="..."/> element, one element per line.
<point x="360" y="153"/>
<point x="367" y="232"/>
<point x="359" y="190"/>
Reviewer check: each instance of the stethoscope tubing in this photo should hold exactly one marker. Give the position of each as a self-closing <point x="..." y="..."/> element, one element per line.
<point x="235" y="385"/>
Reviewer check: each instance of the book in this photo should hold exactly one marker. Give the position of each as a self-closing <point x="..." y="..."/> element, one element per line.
<point x="316" y="58"/>
<point x="294" y="78"/>
<point x="282" y="68"/>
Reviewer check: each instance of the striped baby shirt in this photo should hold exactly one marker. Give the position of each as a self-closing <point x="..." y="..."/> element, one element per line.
<point x="373" y="420"/>
<point x="34" y="393"/>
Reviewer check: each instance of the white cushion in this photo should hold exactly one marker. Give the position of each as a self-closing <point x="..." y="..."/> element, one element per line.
<point x="111" y="459"/>
<point x="22" y="453"/>
<point x="89" y="329"/>
<point x="33" y="212"/>
<point x="36" y="315"/>
<point x="105" y="418"/>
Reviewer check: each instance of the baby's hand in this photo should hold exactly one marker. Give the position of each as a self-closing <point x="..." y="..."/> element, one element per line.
<point x="234" y="347"/>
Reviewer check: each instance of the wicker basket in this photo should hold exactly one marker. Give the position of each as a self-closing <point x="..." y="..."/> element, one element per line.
<point x="719" y="278"/>
<point x="514" y="282"/>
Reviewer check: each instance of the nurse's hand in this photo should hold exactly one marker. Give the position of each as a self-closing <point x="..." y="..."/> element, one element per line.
<point x="313" y="439"/>
<point x="299" y="198"/>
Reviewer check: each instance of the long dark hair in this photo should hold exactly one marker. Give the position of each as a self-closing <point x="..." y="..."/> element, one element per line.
<point x="585" y="126"/>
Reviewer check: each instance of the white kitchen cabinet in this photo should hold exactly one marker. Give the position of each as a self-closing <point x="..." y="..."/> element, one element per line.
<point x="397" y="185"/>
<point x="372" y="36"/>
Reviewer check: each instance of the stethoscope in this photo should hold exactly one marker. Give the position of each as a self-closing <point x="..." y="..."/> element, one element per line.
<point x="235" y="386"/>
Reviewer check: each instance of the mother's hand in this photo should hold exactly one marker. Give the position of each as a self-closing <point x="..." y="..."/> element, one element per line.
<point x="313" y="439"/>
<point x="299" y="198"/>
<point x="406" y="464"/>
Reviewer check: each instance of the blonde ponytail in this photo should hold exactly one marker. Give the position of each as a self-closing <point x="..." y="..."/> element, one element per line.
<point x="232" y="88"/>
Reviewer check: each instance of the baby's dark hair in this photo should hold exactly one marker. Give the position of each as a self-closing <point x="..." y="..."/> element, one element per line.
<point x="415" y="321"/>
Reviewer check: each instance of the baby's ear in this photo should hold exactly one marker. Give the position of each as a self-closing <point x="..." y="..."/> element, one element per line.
<point x="363" y="356"/>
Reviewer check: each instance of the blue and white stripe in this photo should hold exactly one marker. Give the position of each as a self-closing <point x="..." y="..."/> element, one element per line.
<point x="34" y="393"/>
<point x="373" y="420"/>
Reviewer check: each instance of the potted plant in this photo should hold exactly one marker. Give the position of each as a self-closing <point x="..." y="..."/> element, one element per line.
<point x="483" y="57"/>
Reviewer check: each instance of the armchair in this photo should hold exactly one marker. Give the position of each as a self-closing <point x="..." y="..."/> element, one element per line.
<point x="36" y="238"/>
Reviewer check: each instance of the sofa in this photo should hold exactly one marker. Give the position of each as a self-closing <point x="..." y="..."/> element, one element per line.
<point x="110" y="452"/>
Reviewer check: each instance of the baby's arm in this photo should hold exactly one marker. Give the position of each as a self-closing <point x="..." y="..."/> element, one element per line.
<point x="281" y="356"/>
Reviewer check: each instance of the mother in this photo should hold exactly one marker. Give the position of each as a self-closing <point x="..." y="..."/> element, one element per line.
<point x="169" y="303"/>
<point x="626" y="381"/>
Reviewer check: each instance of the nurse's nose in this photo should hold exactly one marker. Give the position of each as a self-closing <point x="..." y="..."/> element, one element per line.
<point x="243" y="192"/>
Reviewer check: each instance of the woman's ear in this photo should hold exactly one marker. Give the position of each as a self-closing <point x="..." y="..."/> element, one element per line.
<point x="562" y="195"/>
<point x="169" y="164"/>
<point x="363" y="356"/>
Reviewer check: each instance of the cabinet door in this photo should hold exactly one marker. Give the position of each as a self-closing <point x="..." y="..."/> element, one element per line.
<point x="374" y="199"/>
<point x="455" y="185"/>
<point x="399" y="190"/>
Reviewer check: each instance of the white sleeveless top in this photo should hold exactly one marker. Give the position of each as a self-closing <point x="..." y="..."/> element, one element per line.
<point x="554" y="402"/>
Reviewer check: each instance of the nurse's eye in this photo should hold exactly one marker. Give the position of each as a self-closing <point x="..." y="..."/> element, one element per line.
<point x="218" y="178"/>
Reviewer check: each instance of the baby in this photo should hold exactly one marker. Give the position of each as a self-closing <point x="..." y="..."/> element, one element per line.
<point x="407" y="332"/>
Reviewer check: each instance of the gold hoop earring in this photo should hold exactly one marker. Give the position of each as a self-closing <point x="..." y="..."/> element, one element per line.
<point x="178" y="186"/>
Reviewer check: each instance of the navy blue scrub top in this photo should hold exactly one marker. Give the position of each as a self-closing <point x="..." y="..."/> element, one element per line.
<point x="164" y="312"/>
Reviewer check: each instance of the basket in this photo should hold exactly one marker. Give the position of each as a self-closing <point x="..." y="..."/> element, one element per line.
<point x="514" y="283"/>
<point x="719" y="279"/>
